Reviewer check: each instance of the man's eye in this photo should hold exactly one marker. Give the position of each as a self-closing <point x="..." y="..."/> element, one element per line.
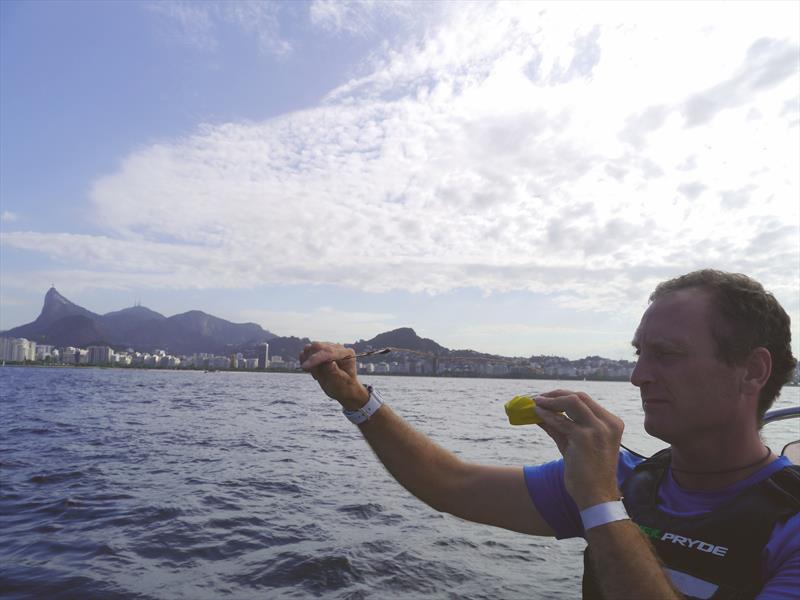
<point x="666" y="352"/>
<point x="659" y="352"/>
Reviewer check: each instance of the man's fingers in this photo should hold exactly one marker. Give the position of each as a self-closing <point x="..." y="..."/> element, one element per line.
<point x="582" y="409"/>
<point x="557" y="436"/>
<point x="596" y="408"/>
<point x="570" y="403"/>
<point x="307" y="351"/>
<point x="556" y="393"/>
<point x="586" y="399"/>
<point x="553" y="420"/>
<point x="318" y="353"/>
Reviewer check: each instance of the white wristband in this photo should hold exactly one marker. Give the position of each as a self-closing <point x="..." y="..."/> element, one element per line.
<point x="600" y="514"/>
<point x="366" y="411"/>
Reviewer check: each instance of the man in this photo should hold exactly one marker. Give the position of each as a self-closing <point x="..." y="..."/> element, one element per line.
<point x="715" y="516"/>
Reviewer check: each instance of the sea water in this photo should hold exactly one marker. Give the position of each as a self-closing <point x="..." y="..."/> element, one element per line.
<point x="123" y="484"/>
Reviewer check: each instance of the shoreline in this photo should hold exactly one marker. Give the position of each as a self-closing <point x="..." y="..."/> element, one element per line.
<point x="300" y="372"/>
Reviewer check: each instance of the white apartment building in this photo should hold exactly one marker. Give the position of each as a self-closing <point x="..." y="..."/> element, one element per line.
<point x="44" y="351"/>
<point x="68" y="355"/>
<point x="121" y="359"/>
<point x="17" y="349"/>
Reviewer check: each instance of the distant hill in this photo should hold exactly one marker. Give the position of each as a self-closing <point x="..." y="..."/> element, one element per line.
<point x="64" y="323"/>
<point x="404" y="337"/>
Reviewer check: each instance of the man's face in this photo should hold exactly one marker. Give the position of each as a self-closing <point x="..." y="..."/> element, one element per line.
<point x="686" y="390"/>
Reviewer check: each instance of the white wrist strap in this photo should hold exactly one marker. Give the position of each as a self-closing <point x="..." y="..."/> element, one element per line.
<point x="600" y="514"/>
<point x="366" y="411"/>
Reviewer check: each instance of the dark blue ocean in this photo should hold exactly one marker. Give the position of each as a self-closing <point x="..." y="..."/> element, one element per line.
<point x="123" y="484"/>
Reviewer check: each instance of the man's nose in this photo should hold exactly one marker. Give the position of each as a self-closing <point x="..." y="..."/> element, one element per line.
<point x="641" y="373"/>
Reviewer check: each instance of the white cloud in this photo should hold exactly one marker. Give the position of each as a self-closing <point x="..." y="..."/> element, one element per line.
<point x="191" y="23"/>
<point x="259" y="19"/>
<point x="8" y="217"/>
<point x="769" y="62"/>
<point x="515" y="146"/>
<point x="363" y="17"/>
<point x="197" y="24"/>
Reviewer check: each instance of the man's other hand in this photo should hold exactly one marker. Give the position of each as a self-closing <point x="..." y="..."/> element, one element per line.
<point x="588" y="437"/>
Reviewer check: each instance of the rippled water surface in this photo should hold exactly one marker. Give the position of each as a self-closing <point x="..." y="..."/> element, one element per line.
<point x="153" y="484"/>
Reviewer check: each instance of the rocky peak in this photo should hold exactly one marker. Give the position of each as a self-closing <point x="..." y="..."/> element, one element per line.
<point x="52" y="297"/>
<point x="57" y="307"/>
<point x="403" y="337"/>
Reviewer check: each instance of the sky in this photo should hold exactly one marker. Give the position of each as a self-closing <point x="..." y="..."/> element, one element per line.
<point x="510" y="177"/>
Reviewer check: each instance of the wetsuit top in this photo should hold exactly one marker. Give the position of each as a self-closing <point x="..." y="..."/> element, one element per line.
<point x="780" y="559"/>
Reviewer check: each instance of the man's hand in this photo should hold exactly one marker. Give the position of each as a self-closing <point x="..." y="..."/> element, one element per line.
<point x="589" y="441"/>
<point x="625" y="564"/>
<point x="334" y="368"/>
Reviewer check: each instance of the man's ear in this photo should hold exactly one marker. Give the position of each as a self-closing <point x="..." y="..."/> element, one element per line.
<point x="757" y="369"/>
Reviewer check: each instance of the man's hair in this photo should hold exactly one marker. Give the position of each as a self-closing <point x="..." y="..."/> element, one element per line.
<point x="748" y="317"/>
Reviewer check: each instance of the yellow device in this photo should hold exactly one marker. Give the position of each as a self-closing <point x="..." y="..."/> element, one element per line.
<point x="521" y="410"/>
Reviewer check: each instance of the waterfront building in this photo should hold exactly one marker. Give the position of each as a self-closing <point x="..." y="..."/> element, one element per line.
<point x="69" y="355"/>
<point x="99" y="355"/>
<point x="123" y="358"/>
<point x="567" y="371"/>
<point x="44" y="351"/>
<point x="219" y="362"/>
<point x="17" y="349"/>
<point x="263" y="356"/>
<point x="5" y="348"/>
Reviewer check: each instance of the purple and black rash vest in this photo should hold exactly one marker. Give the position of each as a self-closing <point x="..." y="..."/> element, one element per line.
<point x="779" y="566"/>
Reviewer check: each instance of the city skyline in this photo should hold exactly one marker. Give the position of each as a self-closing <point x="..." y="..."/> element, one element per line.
<point x="504" y="177"/>
<point x="56" y="307"/>
<point x="21" y="351"/>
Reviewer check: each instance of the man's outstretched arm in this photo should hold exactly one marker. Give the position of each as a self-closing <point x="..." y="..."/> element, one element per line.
<point x="484" y="494"/>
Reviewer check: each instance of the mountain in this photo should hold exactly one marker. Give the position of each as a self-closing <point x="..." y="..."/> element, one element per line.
<point x="56" y="307"/>
<point x="63" y="323"/>
<point x="184" y="332"/>
<point x="134" y="314"/>
<point x="404" y="337"/>
<point x="75" y="330"/>
<point x="136" y="326"/>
